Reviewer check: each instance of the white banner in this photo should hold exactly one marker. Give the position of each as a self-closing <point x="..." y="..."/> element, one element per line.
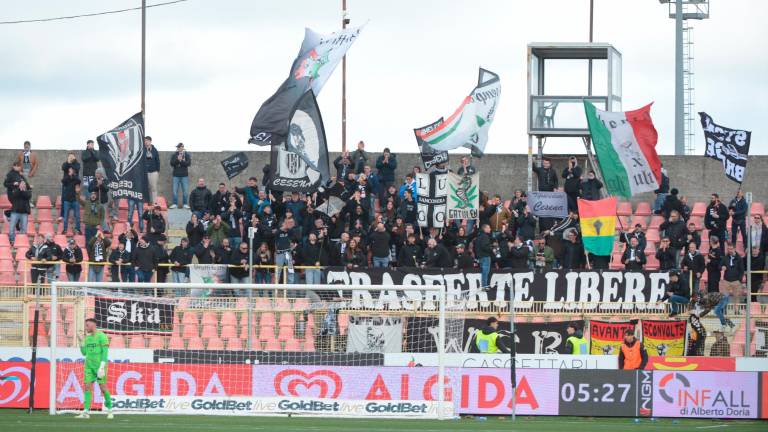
<point x="375" y="335"/>
<point x="242" y="406"/>
<point x="463" y="196"/>
<point x="522" y="361"/>
<point x="116" y="355"/>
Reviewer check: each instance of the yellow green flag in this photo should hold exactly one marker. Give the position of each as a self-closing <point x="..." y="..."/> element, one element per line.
<point x="598" y="223"/>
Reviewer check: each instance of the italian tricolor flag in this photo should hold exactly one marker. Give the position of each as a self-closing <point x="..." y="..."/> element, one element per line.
<point x="625" y="144"/>
<point x="598" y="223"/>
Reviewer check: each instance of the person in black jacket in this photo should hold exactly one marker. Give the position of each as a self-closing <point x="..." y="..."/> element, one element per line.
<point x="195" y="230"/>
<point x="733" y="272"/>
<point x="661" y="192"/>
<point x="205" y="252"/>
<point x="200" y="198"/>
<point x="665" y="256"/>
<point x="69" y="199"/>
<point x="758" y="264"/>
<point x="20" y="209"/>
<point x="572" y="177"/>
<point x="517" y="255"/>
<point x="590" y="188"/>
<point x="14" y="177"/>
<point x="90" y="157"/>
<point x="633" y="257"/>
<point x="693" y="264"/>
<point x="145" y="259"/>
<point x="714" y="263"/>
<point x="238" y="274"/>
<point x="738" y="209"/>
<point x="677" y="292"/>
<point x="314" y="254"/>
<point x="152" y="165"/>
<point x="353" y="256"/>
<point x="72" y="255"/>
<point x="463" y="260"/>
<point x="41" y="254"/>
<point x="408" y="208"/>
<point x="677" y="233"/>
<point x="163" y="259"/>
<point x="636" y="233"/>
<point x="573" y="253"/>
<point x="387" y="164"/>
<point x="122" y="267"/>
<point x="437" y="256"/>
<point x="379" y="244"/>
<point x="546" y="175"/>
<point x="672" y="203"/>
<point x="715" y="220"/>
<point x="410" y="254"/>
<point x="181" y="257"/>
<point x="180" y="162"/>
<point x="155" y="223"/>
<point x="483" y="253"/>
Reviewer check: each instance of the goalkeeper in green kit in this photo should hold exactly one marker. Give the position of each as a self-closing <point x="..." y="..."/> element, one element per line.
<point x="94" y="347"/>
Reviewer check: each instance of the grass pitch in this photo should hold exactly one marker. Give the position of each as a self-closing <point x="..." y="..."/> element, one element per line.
<point x="19" y="420"/>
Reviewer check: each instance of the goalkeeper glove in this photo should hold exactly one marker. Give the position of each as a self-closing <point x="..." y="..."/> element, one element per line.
<point x="102" y="370"/>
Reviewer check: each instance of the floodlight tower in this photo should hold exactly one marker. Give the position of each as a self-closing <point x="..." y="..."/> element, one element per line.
<point x="682" y="11"/>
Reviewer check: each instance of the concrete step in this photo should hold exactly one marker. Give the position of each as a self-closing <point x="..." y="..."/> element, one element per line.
<point x="177" y="219"/>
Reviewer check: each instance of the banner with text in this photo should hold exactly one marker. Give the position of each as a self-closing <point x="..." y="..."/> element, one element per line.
<point x="548" y="204"/>
<point x="432" y="190"/>
<point x="560" y="291"/>
<point x="663" y="338"/>
<point x="463" y="196"/>
<point x="124" y="315"/>
<point x="605" y="337"/>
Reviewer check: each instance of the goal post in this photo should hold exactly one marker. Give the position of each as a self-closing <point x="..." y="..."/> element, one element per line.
<point x="221" y="349"/>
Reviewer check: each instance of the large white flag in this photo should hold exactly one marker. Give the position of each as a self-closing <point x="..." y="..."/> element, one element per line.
<point x="469" y="124"/>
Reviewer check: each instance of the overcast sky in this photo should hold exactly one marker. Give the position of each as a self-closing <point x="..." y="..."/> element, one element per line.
<point x="211" y="63"/>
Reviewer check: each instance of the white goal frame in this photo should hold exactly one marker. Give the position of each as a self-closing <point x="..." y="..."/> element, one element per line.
<point x="56" y="286"/>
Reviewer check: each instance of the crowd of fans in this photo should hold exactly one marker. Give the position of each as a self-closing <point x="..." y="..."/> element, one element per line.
<point x="377" y="226"/>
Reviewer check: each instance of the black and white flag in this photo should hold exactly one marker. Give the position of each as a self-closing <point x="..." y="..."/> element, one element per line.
<point x="375" y="335"/>
<point x="432" y="190"/>
<point x="729" y="146"/>
<point x="121" y="151"/>
<point x="123" y="315"/>
<point x="301" y="164"/>
<point x="429" y="156"/>
<point x="235" y="164"/>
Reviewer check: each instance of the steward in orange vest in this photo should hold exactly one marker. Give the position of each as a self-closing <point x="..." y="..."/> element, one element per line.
<point x="632" y="355"/>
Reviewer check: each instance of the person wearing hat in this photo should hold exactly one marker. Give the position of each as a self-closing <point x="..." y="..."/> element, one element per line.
<point x="180" y="163"/>
<point x="632" y="355"/>
<point x="576" y="343"/>
<point x="677" y="292"/>
<point x="487" y="339"/>
<point x="72" y="255"/>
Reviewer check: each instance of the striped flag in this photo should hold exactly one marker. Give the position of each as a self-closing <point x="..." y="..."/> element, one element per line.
<point x="625" y="143"/>
<point x="598" y="223"/>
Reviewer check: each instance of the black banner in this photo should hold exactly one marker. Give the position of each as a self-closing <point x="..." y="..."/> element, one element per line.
<point x="121" y="151"/>
<point x="605" y="393"/>
<point x="429" y="156"/>
<point x="119" y="315"/>
<point x="530" y="338"/>
<point x="432" y="190"/>
<point x="235" y="164"/>
<point x="729" y="146"/>
<point x="560" y="291"/>
<point x="302" y="163"/>
<point x="267" y="357"/>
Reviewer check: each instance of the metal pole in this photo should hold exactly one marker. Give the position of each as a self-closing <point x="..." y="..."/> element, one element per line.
<point x="512" y="351"/>
<point x="441" y="355"/>
<point x="679" y="99"/>
<point x="530" y="163"/>
<point x="591" y="27"/>
<point x="344" y="21"/>
<point x="250" y="281"/>
<point x="53" y="343"/>
<point x="143" y="56"/>
<point x="33" y="364"/>
<point x="748" y="317"/>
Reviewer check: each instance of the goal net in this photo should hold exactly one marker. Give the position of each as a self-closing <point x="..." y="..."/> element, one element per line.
<point x="220" y="349"/>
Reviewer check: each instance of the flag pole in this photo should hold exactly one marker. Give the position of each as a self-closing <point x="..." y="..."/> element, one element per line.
<point x="143" y="57"/>
<point x="344" y="22"/>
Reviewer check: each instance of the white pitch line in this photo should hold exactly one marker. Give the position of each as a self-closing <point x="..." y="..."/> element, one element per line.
<point x="712" y="427"/>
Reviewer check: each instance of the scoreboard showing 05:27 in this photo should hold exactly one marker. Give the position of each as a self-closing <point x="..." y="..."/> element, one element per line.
<point x="599" y="393"/>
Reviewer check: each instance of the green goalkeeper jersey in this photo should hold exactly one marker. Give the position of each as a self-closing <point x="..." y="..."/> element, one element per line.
<point x="94" y="348"/>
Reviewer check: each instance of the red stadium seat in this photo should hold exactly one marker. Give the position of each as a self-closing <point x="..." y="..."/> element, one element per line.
<point x="267" y="319"/>
<point x="156" y="342"/>
<point x="44" y="202"/>
<point x="652" y="235"/>
<point x="641" y="220"/>
<point x="210" y="331"/>
<point x="301" y="304"/>
<point x="273" y="345"/>
<point x="116" y="341"/>
<point x="266" y="333"/>
<point x="190" y="330"/>
<point x="58" y="203"/>
<point x="228" y="318"/>
<point x="189" y="318"/>
<point x="285" y="333"/>
<point x="309" y="344"/>
<point x="624" y="208"/>
<point x="21" y="241"/>
<point x="229" y="331"/>
<point x="652" y="263"/>
<point x="234" y="344"/>
<point x="44" y="215"/>
<point x="698" y="209"/>
<point x="46" y="228"/>
<point x="8" y="278"/>
<point x="244" y="332"/>
<point x="287" y="319"/>
<point x="6" y="265"/>
<point x="292" y="345"/>
<point x="697" y="221"/>
<point x="137" y="342"/>
<point x="195" y="343"/>
<point x="4" y="241"/>
<point x="650" y="248"/>
<point x="215" y="344"/>
<point x="210" y="318"/>
<point x="656" y="222"/>
<point x="643" y="209"/>
<point x="175" y="343"/>
<point x="5" y="203"/>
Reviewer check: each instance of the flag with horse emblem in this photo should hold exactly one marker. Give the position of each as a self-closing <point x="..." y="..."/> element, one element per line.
<point x="463" y="196"/>
<point x="121" y="151"/>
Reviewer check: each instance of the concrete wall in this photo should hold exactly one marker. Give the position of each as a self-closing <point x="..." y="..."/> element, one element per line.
<point x="695" y="176"/>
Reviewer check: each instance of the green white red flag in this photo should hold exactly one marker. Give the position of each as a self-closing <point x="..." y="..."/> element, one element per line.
<point x="625" y="144"/>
